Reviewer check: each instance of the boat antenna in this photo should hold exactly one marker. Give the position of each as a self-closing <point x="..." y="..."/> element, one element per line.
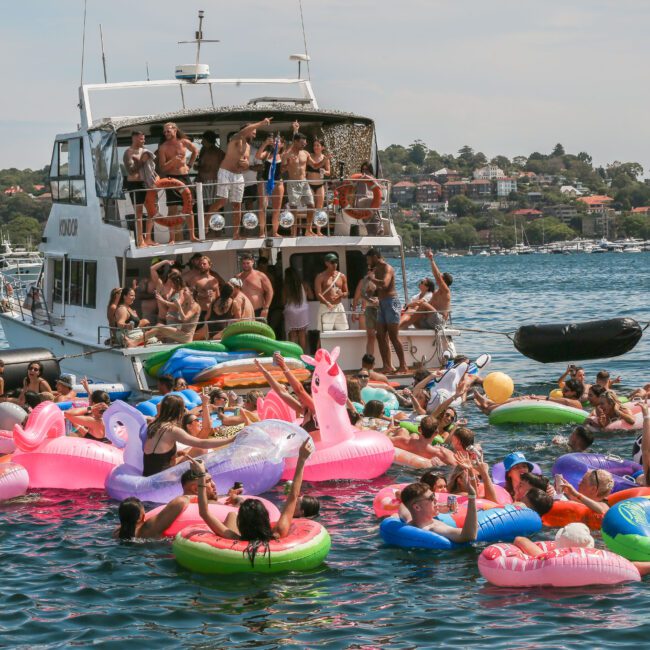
<point x="146" y="63"/>
<point x="83" y="46"/>
<point x="198" y="39"/>
<point x="304" y="40"/>
<point x="101" y="38"/>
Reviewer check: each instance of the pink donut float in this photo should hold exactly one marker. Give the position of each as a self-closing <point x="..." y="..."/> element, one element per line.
<point x="191" y="517"/>
<point x="387" y="501"/>
<point x="622" y="425"/>
<point x="14" y="481"/>
<point x="343" y="451"/>
<point x="505" y="565"/>
<point x="54" y="460"/>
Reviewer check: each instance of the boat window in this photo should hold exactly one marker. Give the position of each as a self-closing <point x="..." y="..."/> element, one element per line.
<point x="67" y="181"/>
<point x="57" y="293"/>
<point x="309" y="265"/>
<point x="90" y="284"/>
<point x="75" y="282"/>
<point x="108" y="176"/>
<point x="356" y="268"/>
<point x="80" y="283"/>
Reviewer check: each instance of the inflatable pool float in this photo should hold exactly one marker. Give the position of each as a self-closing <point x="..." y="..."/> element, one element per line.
<point x="626" y="529"/>
<point x="505" y="565"/>
<point x="263" y="345"/>
<point x="255" y="458"/>
<point x="253" y="379"/>
<point x="150" y="407"/>
<point x="305" y="547"/>
<point x="497" y="524"/>
<point x="621" y="425"/>
<point x="382" y="395"/>
<point x="409" y="459"/>
<point x="387" y="501"/>
<point x="115" y="391"/>
<point x="153" y="363"/>
<point x="532" y="411"/>
<point x="54" y="460"/>
<point x="14" y="481"/>
<point x="191" y="517"/>
<point x="574" y="466"/>
<point x="10" y="415"/>
<point x="343" y="451"/>
<point x="245" y="364"/>
<point x="443" y="388"/>
<point x="248" y="327"/>
<point x="189" y="364"/>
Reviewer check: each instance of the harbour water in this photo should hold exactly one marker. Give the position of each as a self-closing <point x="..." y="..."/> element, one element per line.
<point x="66" y="583"/>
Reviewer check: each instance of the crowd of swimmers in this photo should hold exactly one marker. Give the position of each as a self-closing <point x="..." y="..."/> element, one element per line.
<point x="258" y="175"/>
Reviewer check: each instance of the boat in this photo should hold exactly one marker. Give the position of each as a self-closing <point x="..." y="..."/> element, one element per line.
<point x="89" y="245"/>
<point x="19" y="267"/>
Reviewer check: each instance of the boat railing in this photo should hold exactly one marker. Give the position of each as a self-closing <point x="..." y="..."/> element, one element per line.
<point x="355" y="316"/>
<point x="27" y="303"/>
<point x="343" y="207"/>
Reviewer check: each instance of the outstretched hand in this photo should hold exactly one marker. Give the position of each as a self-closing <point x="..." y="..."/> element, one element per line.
<point x="306" y="449"/>
<point x="429" y="254"/>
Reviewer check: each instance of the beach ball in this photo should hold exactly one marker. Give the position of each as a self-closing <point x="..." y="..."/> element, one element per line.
<point x="286" y="219"/>
<point x="498" y="386"/>
<point x="217" y="222"/>
<point x="321" y="219"/>
<point x="250" y="221"/>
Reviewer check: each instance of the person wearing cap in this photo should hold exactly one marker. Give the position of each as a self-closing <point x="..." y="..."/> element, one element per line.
<point x="331" y="286"/>
<point x="514" y="465"/>
<point x="63" y="389"/>
<point x="242" y="308"/>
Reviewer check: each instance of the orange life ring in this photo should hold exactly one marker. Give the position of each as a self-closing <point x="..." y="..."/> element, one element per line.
<point x="347" y="193"/>
<point x="174" y="221"/>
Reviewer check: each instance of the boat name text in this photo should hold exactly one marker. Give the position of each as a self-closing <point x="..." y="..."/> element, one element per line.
<point x="68" y="227"/>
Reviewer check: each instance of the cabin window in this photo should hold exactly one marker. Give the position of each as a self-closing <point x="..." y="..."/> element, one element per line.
<point x="80" y="283"/>
<point x="309" y="265"/>
<point x="57" y="293"/>
<point x="75" y="282"/>
<point x="90" y="284"/>
<point x="67" y="180"/>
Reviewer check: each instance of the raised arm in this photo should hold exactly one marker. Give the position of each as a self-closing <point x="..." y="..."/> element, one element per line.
<point x="153" y="271"/>
<point x="185" y="438"/>
<point x="291" y="401"/>
<point x="469" y="530"/>
<point x="284" y="523"/>
<point x="248" y="130"/>
<point x="304" y="398"/>
<point x="440" y="281"/>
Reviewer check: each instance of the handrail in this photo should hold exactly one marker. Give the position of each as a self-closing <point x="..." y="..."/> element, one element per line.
<point x="353" y="312"/>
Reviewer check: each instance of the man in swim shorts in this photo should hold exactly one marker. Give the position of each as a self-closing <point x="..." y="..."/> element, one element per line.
<point x="423" y="508"/>
<point x="330" y="287"/>
<point x="382" y="275"/>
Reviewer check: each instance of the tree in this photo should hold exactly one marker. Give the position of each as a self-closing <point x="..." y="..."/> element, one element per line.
<point x="463" y="235"/>
<point x="24" y="230"/>
<point x="461" y="205"/>
<point x="502" y="162"/>
<point x="519" y="161"/>
<point x="558" y="151"/>
<point x="417" y="152"/>
<point x="583" y="156"/>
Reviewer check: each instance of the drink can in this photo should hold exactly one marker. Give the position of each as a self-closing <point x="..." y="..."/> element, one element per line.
<point x="287" y="487"/>
<point x="275" y="363"/>
<point x="452" y="503"/>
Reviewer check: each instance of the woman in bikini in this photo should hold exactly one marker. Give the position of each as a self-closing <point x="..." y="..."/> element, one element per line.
<point x="317" y="175"/>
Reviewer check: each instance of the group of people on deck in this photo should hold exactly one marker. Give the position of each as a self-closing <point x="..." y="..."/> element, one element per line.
<point x="275" y="173"/>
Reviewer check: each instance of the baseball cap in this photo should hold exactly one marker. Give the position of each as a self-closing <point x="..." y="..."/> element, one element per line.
<point x="66" y="380"/>
<point x="331" y="257"/>
<point x="515" y="458"/>
<point x="236" y="282"/>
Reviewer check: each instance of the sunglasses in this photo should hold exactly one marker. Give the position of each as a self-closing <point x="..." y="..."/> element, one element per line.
<point x="431" y="497"/>
<point x="34" y="369"/>
<point x="193" y="420"/>
<point x="596" y="480"/>
<point x="363" y="376"/>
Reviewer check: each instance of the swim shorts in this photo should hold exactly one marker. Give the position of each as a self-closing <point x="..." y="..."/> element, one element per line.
<point x="390" y="310"/>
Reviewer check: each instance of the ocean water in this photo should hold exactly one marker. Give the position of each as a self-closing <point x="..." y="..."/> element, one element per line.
<point x="66" y="583"/>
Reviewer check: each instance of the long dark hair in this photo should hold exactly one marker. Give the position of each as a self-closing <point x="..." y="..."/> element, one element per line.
<point x="255" y="528"/>
<point x="225" y="295"/>
<point x="130" y="511"/>
<point x="172" y="409"/>
<point x="124" y="293"/>
<point x="292" y="287"/>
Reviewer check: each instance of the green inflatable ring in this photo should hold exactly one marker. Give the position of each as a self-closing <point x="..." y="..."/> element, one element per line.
<point x="536" y="412"/>
<point x="157" y="360"/>
<point x="264" y="345"/>
<point x="414" y="427"/>
<point x="248" y="327"/>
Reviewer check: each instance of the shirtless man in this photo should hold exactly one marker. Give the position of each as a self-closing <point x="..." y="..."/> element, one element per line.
<point x="331" y="286"/>
<point x="207" y="166"/>
<point x="418" y="444"/>
<point x="134" y="184"/>
<point x="230" y="177"/>
<point x="206" y="287"/>
<point x="294" y="164"/>
<point x="256" y="285"/>
<point x="382" y="275"/>
<point x="242" y="308"/>
<point x="173" y="163"/>
<point x="440" y="303"/>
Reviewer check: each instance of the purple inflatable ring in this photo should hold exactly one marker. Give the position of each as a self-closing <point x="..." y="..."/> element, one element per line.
<point x="574" y="466"/>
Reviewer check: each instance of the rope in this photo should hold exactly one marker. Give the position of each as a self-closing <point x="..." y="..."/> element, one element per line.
<point x="83" y="354"/>
<point x="480" y="331"/>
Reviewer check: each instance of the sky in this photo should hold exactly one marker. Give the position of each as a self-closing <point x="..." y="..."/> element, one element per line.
<point x="504" y="76"/>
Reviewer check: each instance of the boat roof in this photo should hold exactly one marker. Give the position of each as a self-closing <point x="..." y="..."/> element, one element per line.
<point x="267" y="107"/>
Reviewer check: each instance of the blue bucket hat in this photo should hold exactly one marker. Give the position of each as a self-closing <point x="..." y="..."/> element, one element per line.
<point x="515" y="458"/>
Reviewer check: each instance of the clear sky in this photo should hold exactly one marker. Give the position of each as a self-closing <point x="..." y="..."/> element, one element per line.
<point x="504" y="76"/>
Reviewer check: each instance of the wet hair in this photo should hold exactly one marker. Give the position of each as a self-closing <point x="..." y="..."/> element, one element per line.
<point x="431" y="478"/>
<point x="537" y="481"/>
<point x="584" y="434"/>
<point x="448" y="278"/>
<point x="172" y="408"/>
<point x="428" y="427"/>
<point x="465" y="436"/>
<point x="412" y="492"/>
<point x="167" y="381"/>
<point x="310" y="506"/>
<point x="597" y="389"/>
<point x="187" y="476"/>
<point x="602" y="374"/>
<point x="129" y="511"/>
<point x="368" y="360"/>
<point x="539" y="501"/>
<point x="373" y="409"/>
<point x="255" y="528"/>
<point x="32" y="398"/>
<point x="100" y="397"/>
<point x="354" y="389"/>
<point x="576" y="386"/>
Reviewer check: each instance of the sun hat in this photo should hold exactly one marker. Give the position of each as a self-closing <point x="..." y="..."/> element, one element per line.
<point x="515" y="458"/>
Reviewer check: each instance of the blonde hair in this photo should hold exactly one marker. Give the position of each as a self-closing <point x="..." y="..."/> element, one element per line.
<point x="575" y="535"/>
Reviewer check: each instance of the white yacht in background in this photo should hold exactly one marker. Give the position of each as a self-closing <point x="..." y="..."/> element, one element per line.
<point x="19" y="267"/>
<point x="89" y="245"/>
